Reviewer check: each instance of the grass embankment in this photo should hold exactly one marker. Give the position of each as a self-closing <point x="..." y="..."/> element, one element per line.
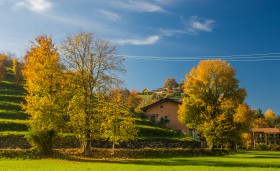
<point x="12" y="117"/>
<point x="240" y="161"/>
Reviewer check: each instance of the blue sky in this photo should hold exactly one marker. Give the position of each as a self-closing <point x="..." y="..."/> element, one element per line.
<point x="163" y="38"/>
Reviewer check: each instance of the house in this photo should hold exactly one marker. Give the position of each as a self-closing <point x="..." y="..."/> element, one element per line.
<point x="165" y="112"/>
<point x="266" y="136"/>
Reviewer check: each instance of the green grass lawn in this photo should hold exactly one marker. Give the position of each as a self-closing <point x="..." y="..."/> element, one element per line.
<point x="241" y="161"/>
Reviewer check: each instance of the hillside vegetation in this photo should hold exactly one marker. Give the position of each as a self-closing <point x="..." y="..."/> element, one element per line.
<point x="13" y="120"/>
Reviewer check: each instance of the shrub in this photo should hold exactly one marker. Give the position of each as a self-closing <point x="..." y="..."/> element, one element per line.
<point x="261" y="146"/>
<point x="42" y="141"/>
<point x="274" y="147"/>
<point x="249" y="147"/>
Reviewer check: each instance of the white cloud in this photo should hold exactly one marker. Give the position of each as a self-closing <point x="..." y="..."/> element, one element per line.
<point x="147" y="41"/>
<point x="138" y="6"/>
<point x="192" y="26"/>
<point x="111" y="15"/>
<point x="165" y="1"/>
<point x="171" y="32"/>
<point x="196" y="24"/>
<point x="39" y="6"/>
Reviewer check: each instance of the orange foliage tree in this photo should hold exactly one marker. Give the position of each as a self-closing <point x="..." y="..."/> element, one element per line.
<point x="43" y="73"/>
<point x="271" y="118"/>
<point x="214" y="103"/>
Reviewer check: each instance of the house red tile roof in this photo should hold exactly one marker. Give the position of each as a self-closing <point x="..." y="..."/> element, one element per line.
<point x="159" y="102"/>
<point x="266" y="130"/>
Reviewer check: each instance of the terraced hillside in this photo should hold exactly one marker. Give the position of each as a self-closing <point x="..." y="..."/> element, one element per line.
<point x="12" y="117"/>
<point x="13" y="120"/>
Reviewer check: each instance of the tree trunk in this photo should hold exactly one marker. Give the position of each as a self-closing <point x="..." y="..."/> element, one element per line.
<point x="87" y="148"/>
<point x="211" y="147"/>
<point x="87" y="145"/>
<point x="113" y="149"/>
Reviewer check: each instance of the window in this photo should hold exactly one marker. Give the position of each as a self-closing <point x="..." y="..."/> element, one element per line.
<point x="153" y="119"/>
<point x="166" y="119"/>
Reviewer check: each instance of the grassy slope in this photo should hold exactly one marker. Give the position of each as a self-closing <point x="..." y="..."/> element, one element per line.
<point x="241" y="161"/>
<point x="12" y="117"/>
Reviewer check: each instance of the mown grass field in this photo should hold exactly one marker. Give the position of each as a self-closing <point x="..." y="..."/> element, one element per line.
<point x="241" y="161"/>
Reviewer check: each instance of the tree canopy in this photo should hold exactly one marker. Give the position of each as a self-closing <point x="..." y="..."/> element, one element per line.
<point x="94" y="67"/>
<point x="170" y="83"/>
<point x="43" y="75"/>
<point x="214" y="103"/>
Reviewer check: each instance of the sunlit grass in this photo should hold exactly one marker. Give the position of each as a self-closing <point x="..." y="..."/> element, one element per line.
<point x="7" y="133"/>
<point x="241" y="161"/>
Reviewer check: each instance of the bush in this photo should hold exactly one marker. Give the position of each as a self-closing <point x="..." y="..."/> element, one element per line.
<point x="261" y="146"/>
<point x="274" y="147"/>
<point x="249" y="147"/>
<point x="42" y="141"/>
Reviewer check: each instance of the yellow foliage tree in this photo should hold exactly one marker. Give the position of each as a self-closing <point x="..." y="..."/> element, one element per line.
<point x="118" y="123"/>
<point x="96" y="67"/>
<point x="16" y="70"/>
<point x="214" y="103"/>
<point x="43" y="73"/>
<point x="3" y="60"/>
<point x="271" y="118"/>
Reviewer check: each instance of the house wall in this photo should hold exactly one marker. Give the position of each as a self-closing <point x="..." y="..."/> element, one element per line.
<point x="266" y="138"/>
<point x="169" y="109"/>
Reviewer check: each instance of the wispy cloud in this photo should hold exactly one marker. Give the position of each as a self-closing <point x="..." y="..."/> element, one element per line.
<point x="39" y="6"/>
<point x="192" y="26"/>
<point x="196" y="24"/>
<point x="165" y="1"/>
<point x="171" y="32"/>
<point x="138" y="6"/>
<point x="147" y="41"/>
<point x="111" y="15"/>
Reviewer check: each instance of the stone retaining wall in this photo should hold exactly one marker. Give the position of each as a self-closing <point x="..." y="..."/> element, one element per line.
<point x="19" y="141"/>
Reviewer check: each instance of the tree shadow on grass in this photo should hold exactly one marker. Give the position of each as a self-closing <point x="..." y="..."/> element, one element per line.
<point x="184" y="161"/>
<point x="201" y="162"/>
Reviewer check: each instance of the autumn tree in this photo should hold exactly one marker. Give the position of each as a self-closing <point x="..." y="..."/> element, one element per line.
<point x="42" y="73"/>
<point x="133" y="100"/>
<point x="214" y="103"/>
<point x="271" y="118"/>
<point x="96" y="66"/>
<point x="16" y="68"/>
<point x="3" y="60"/>
<point x="260" y="123"/>
<point x="118" y="123"/>
<point x="145" y="91"/>
<point x="170" y="83"/>
<point x="247" y="140"/>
